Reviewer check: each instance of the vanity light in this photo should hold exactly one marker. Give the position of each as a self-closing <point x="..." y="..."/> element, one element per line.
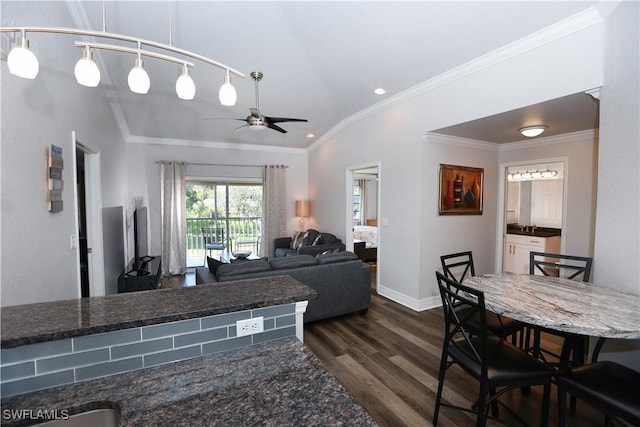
<point x="532" y="131"/>
<point x="529" y="176"/>
<point x="536" y="175"/>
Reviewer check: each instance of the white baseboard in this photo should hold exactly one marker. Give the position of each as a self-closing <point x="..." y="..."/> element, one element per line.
<point x="407" y="301"/>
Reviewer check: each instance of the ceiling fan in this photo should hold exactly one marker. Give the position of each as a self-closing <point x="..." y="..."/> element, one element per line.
<point x="256" y="120"/>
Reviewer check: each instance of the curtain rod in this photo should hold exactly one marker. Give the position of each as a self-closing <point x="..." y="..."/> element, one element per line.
<point x="221" y="164"/>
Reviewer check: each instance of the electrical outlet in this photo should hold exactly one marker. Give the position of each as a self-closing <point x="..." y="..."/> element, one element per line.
<point x="249" y="326"/>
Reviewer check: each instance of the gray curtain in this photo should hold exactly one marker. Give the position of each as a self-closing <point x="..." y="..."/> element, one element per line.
<point x="174" y="218"/>
<point x="274" y="206"/>
<point x="363" y="202"/>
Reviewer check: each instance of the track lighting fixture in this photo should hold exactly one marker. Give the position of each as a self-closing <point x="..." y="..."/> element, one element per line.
<point x="138" y="78"/>
<point x="21" y="60"/>
<point x="185" y="87"/>
<point x="23" y="63"/>
<point x="86" y="71"/>
<point x="227" y="94"/>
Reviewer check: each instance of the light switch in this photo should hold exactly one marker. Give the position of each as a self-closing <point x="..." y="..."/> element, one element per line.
<point x="385" y="221"/>
<point x="73" y="242"/>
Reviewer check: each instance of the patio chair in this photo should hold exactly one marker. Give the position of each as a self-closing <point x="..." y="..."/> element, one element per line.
<point x="213" y="240"/>
<point x="498" y="365"/>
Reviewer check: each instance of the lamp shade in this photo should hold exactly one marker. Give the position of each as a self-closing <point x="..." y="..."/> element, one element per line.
<point x="22" y="62"/>
<point x="138" y="78"/>
<point x="227" y="94"/>
<point x="86" y="71"/>
<point x="302" y="208"/>
<point x="185" y="87"/>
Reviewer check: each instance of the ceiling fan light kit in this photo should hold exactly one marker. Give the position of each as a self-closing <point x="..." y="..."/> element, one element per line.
<point x="22" y="62"/>
<point x="532" y="131"/>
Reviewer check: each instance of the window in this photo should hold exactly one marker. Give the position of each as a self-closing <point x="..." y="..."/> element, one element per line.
<point x="233" y="208"/>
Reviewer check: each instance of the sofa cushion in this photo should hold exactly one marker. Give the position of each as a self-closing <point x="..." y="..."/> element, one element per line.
<point x="293" y="262"/>
<point x="213" y="264"/>
<point x="298" y="239"/>
<point x="249" y="266"/>
<point x="336" y="257"/>
<point x="327" y="238"/>
<point x="310" y="237"/>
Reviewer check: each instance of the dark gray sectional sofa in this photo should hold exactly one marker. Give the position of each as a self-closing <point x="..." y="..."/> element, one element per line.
<point x="342" y="281"/>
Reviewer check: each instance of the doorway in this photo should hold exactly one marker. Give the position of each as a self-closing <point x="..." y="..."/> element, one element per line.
<point x="534" y="194"/>
<point x="88" y="207"/>
<point x="362" y="213"/>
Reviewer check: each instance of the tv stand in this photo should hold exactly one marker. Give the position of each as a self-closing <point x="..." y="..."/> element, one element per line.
<point x="144" y="278"/>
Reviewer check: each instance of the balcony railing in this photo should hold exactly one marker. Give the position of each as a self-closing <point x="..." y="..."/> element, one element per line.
<point x="242" y="234"/>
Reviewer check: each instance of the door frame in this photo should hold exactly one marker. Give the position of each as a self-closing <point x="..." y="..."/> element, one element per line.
<point x="502" y="203"/>
<point x="93" y="201"/>
<point x="349" y="210"/>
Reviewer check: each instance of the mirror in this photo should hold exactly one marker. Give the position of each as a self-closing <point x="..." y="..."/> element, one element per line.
<point x="535" y="194"/>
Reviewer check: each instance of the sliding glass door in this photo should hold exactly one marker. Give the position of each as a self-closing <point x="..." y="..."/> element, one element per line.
<point x="230" y="214"/>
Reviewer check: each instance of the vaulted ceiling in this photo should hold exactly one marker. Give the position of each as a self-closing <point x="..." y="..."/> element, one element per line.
<point x="321" y="60"/>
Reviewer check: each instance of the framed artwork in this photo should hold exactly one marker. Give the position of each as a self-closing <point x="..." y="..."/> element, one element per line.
<point x="461" y="190"/>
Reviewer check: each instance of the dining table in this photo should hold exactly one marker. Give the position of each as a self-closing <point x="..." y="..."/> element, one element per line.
<point x="574" y="307"/>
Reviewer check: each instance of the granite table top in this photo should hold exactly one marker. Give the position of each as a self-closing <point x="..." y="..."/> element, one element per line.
<point x="561" y="304"/>
<point x="280" y="383"/>
<point x="33" y="323"/>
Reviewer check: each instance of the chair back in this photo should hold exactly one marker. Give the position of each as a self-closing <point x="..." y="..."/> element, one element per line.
<point x="567" y="266"/>
<point x="213" y="235"/>
<point x="464" y="312"/>
<point x="458" y="266"/>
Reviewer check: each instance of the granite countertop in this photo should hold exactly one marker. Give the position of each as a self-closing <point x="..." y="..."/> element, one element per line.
<point x="33" y="323"/>
<point x="538" y="232"/>
<point x="277" y="383"/>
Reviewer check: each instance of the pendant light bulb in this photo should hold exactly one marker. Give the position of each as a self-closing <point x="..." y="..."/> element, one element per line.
<point x="86" y="71"/>
<point x="227" y="94"/>
<point x="138" y="78"/>
<point x="22" y="62"/>
<point x="185" y="87"/>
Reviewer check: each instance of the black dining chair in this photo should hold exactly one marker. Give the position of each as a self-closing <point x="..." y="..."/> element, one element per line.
<point x="498" y="365"/>
<point x="560" y="265"/>
<point x="606" y="385"/>
<point x="457" y="267"/>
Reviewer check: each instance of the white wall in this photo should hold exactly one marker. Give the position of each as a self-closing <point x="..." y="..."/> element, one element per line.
<point x="617" y="242"/>
<point x="392" y="133"/>
<point x="37" y="262"/>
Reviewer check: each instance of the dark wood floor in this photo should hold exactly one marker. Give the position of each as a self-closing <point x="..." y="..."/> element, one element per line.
<point x="388" y="360"/>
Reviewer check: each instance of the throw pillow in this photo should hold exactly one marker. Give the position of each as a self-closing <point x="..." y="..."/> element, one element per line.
<point x="317" y="240"/>
<point x="213" y="264"/>
<point x="310" y="237"/>
<point x="298" y="238"/>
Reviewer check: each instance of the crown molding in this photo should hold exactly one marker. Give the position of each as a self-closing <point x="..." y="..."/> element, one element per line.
<point x="562" y="28"/>
<point x="457" y="141"/>
<point x="213" y="144"/>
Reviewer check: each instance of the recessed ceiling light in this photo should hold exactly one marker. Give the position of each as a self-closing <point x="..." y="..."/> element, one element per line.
<point x="379" y="91"/>
<point x="310" y="135"/>
<point x="531" y="131"/>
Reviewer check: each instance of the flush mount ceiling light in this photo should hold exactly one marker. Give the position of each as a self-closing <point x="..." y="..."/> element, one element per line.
<point x="532" y="131"/>
<point x="23" y="63"/>
<point x="379" y="91"/>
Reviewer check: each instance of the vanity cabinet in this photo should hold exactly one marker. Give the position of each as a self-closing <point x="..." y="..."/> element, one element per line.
<point x="518" y="247"/>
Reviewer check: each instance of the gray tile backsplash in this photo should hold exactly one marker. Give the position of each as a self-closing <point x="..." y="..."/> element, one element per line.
<point x="49" y="364"/>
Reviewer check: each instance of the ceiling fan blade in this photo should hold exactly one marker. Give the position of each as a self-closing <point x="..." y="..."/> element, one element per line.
<point x="223" y="118"/>
<point x="276" y="127"/>
<point x="283" y="119"/>
<point x="241" y="127"/>
<point x="255" y="112"/>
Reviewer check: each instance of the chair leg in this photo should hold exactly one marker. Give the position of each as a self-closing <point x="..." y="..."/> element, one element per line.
<point x="546" y="397"/>
<point x="562" y="407"/>
<point x="443" y="368"/>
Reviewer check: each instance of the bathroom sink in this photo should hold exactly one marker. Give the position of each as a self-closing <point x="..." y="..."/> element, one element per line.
<point x="106" y="417"/>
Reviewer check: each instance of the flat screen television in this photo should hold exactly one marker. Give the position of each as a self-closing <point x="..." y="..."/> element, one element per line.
<point x="141" y="254"/>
